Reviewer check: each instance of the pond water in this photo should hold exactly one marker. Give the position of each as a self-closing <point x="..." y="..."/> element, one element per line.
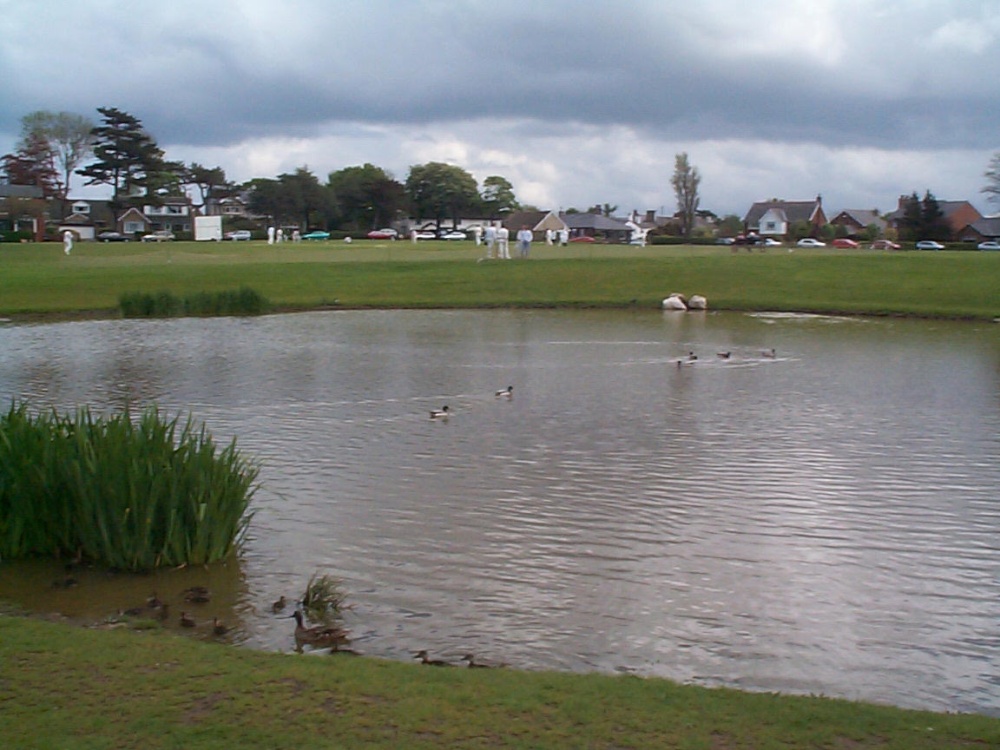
<point x="825" y="520"/>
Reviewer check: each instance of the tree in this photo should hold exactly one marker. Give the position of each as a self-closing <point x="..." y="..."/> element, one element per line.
<point x="441" y="191"/>
<point x="211" y="184"/>
<point x="730" y="225"/>
<point x="497" y="196"/>
<point x="70" y="139"/>
<point x="128" y="159"/>
<point x="366" y="197"/>
<point x="296" y="198"/>
<point x="31" y="164"/>
<point x="923" y="219"/>
<point x="686" y="181"/>
<point x="992" y="176"/>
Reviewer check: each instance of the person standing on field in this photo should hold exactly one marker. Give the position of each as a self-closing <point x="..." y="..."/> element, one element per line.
<point x="524" y="238"/>
<point x="490" y="238"/>
<point x="503" y="243"/>
<point x="67" y="242"/>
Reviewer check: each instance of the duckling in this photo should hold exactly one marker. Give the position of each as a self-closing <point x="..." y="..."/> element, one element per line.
<point x="441" y="413"/>
<point x="425" y="659"/>
<point x="186" y="622"/>
<point x="507" y="392"/>
<point x="692" y="356"/>
<point x="768" y="354"/>
<point x="197" y="595"/>
<point x="153" y="602"/>
<point x="279" y="605"/>
<point x="218" y="628"/>
<point x="723" y="355"/>
<point x="318" y="635"/>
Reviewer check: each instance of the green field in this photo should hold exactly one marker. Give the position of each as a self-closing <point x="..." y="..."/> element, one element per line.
<point x="75" y="689"/>
<point x="40" y="279"/>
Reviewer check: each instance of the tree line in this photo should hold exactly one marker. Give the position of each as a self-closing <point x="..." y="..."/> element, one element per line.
<point x="120" y="153"/>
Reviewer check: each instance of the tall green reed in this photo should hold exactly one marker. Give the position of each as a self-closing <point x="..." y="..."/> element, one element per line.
<point x="242" y="301"/>
<point x="134" y="494"/>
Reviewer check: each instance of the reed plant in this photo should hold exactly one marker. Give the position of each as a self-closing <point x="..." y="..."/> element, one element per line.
<point x="165" y="304"/>
<point x="133" y="494"/>
<point x="323" y="599"/>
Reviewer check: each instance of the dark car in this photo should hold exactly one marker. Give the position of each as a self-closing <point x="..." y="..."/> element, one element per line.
<point x="113" y="237"/>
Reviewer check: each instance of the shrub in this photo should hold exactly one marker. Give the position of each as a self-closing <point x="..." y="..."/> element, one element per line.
<point x="130" y="494"/>
<point x="243" y="301"/>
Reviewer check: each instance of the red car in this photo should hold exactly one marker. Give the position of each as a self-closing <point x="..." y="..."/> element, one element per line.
<point x="582" y="238"/>
<point x="845" y="243"/>
<point x="885" y="245"/>
<point x="383" y="234"/>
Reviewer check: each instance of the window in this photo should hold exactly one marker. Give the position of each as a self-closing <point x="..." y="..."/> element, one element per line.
<point x="81" y="208"/>
<point x="132" y="227"/>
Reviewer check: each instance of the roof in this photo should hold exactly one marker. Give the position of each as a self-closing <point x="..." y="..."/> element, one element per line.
<point x="537" y="221"/>
<point x="794" y="211"/>
<point x="989" y="227"/>
<point x="20" y="191"/>
<point x="863" y="217"/>
<point x="594" y="221"/>
<point x="947" y="208"/>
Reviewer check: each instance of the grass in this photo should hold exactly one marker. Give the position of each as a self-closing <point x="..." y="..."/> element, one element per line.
<point x="243" y="301"/>
<point x="78" y="689"/>
<point x="128" y="494"/>
<point x="39" y="279"/>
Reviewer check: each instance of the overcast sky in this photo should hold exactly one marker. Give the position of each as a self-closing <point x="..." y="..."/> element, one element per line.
<point x="576" y="103"/>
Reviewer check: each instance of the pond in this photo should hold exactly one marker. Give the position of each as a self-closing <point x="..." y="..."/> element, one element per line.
<point x="823" y="520"/>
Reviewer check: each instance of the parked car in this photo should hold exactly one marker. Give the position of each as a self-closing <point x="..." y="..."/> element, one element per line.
<point x="989" y="245"/>
<point x="582" y="238"/>
<point x="239" y="234"/>
<point x="885" y="245"/>
<point x="810" y="242"/>
<point x="769" y="242"/>
<point x="724" y="241"/>
<point x="929" y="245"/>
<point x="160" y="235"/>
<point x="383" y="234"/>
<point x="113" y="237"/>
<point x="845" y="243"/>
<point x="316" y="234"/>
<point x="453" y="234"/>
<point x="425" y="235"/>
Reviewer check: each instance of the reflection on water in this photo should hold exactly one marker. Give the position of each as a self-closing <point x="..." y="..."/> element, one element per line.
<point x="824" y="521"/>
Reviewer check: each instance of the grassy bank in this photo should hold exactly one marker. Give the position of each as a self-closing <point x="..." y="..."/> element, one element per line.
<point x="70" y="688"/>
<point x="39" y="279"/>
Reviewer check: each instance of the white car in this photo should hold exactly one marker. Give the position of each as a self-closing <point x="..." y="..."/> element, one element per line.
<point x="810" y="242"/>
<point x="454" y="235"/>
<point x="929" y="245"/>
<point x="239" y="234"/>
<point x="990" y="245"/>
<point x="160" y="235"/>
<point x="769" y="242"/>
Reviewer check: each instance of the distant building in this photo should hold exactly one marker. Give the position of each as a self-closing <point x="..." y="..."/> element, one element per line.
<point x="775" y="218"/>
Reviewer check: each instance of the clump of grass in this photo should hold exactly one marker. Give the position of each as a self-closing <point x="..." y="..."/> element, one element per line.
<point x="130" y="494"/>
<point x="242" y="301"/>
<point x="323" y="599"/>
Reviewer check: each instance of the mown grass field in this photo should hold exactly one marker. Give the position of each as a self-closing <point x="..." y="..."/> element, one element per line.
<point x="73" y="689"/>
<point x="39" y="278"/>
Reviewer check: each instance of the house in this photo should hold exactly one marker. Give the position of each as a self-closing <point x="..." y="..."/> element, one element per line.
<point x="775" y="218"/>
<point x="234" y="207"/>
<point x="857" y="220"/>
<point x="22" y="209"/>
<point x="981" y="230"/>
<point x="597" y="225"/>
<point x="537" y="221"/>
<point x="134" y="222"/>
<point x="172" y="213"/>
<point x="957" y="214"/>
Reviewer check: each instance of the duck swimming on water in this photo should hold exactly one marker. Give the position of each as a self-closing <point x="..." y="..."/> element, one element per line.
<point x="507" y="392"/>
<point x="318" y="635"/>
<point x="441" y="413"/>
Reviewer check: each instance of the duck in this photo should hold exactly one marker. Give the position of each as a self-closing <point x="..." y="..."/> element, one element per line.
<point x="425" y="659"/>
<point x="218" y="628"/>
<point x="441" y="413"/>
<point x="153" y="602"/>
<point x="692" y="356"/>
<point x="723" y="355"/>
<point x="279" y="605"/>
<point x="768" y="354"/>
<point x="186" y="622"/>
<point x="318" y="635"/>
<point x="197" y="595"/>
<point x="473" y="664"/>
<point x="507" y="392"/>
